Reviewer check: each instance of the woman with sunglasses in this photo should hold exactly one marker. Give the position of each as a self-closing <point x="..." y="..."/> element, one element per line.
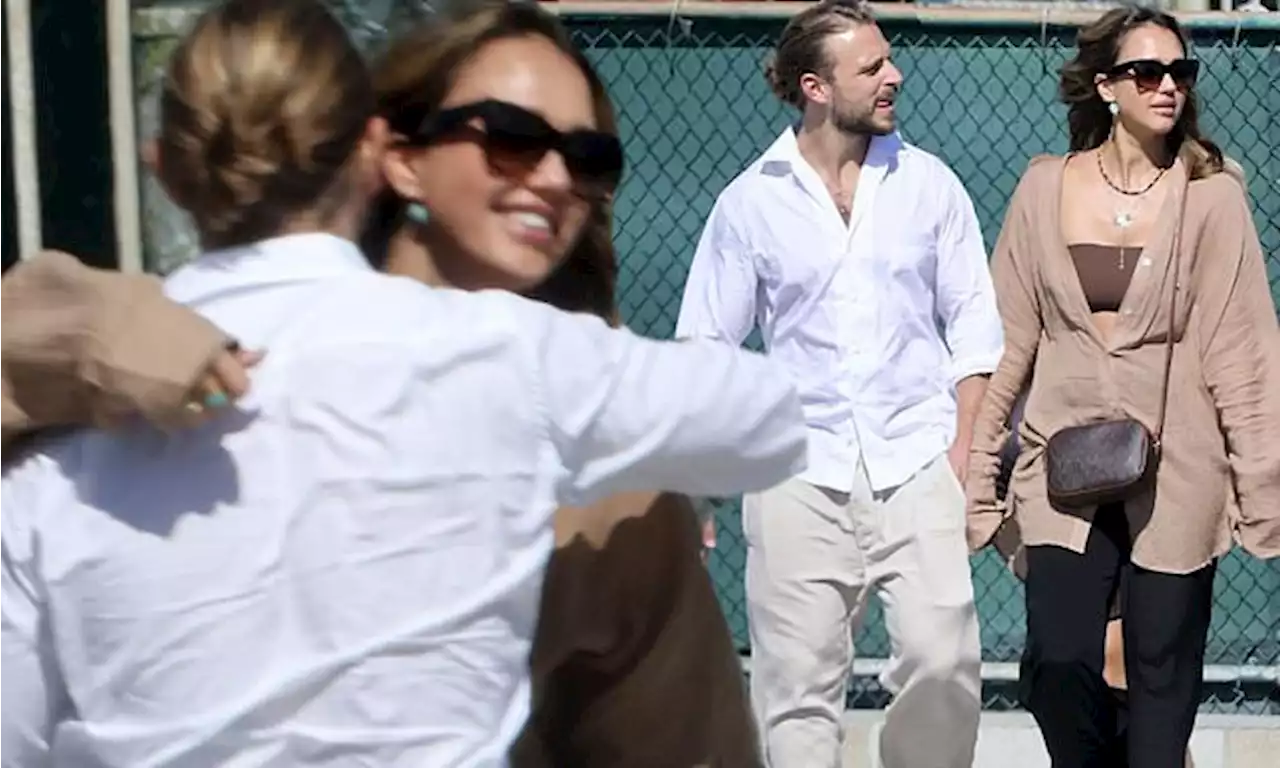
<point x="506" y="160"/>
<point x="504" y="157"/>
<point x="1138" y="318"/>
<point x="348" y="569"/>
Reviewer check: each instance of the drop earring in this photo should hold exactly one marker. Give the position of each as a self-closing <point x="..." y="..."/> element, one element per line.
<point x="1113" y="108"/>
<point x="417" y="213"/>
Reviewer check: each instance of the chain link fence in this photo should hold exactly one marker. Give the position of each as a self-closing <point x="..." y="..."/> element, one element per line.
<point x="694" y="110"/>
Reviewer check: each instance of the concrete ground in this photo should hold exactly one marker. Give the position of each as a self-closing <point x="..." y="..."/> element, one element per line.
<point x="1011" y="740"/>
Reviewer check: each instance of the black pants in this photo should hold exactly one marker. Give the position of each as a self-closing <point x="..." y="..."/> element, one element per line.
<point x="1166" y="620"/>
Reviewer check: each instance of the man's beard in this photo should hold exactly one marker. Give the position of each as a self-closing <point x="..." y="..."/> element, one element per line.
<point x="860" y="123"/>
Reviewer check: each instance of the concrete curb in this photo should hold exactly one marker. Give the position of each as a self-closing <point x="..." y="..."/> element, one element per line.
<point x="1011" y="740"/>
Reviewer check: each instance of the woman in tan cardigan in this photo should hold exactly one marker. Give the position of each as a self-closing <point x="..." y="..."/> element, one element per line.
<point x="632" y="662"/>
<point x="1086" y="273"/>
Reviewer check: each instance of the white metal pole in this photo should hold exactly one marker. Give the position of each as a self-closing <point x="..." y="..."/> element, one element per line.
<point x="124" y="136"/>
<point x="22" y="114"/>
<point x="1002" y="671"/>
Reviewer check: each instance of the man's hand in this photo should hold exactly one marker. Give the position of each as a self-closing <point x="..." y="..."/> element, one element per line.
<point x="969" y="394"/>
<point x="706" y="513"/>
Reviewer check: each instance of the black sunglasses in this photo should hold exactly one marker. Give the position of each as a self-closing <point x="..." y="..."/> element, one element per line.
<point x="515" y="140"/>
<point x="1149" y="73"/>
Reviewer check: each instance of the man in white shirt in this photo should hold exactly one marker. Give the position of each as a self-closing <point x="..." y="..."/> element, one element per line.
<point x="860" y="258"/>
<point x="345" y="569"/>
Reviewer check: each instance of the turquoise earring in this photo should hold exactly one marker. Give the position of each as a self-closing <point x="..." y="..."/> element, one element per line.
<point x="417" y="213"/>
<point x="1113" y="108"/>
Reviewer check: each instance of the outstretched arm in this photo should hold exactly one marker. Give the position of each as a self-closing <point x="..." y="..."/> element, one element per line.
<point x="84" y="346"/>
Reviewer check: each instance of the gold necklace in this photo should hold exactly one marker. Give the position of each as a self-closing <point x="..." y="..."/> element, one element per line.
<point x="1124" y="219"/>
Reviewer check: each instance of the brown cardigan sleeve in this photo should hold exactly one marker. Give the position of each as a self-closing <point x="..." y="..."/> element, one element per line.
<point x="1011" y="269"/>
<point x="86" y="346"/>
<point x="1241" y="353"/>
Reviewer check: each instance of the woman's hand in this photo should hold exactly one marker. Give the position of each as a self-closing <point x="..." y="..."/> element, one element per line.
<point x="224" y="381"/>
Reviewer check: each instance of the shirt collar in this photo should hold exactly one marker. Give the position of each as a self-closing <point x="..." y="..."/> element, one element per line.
<point x="785" y="151"/>
<point x="289" y="258"/>
<point x="783" y="160"/>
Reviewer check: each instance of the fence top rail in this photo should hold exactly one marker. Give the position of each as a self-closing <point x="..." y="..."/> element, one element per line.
<point x="169" y="20"/>
<point x="1069" y="14"/>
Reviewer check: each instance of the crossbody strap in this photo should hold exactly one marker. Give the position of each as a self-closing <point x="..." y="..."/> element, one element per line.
<point x="1173" y="312"/>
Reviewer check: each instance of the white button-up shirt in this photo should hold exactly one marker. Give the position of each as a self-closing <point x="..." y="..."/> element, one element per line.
<point x="877" y="319"/>
<point x="345" y="570"/>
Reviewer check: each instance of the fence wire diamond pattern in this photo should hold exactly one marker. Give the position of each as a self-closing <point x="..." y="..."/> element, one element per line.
<point x="695" y="110"/>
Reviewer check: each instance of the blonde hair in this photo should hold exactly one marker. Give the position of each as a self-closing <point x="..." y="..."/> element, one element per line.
<point x="802" y="46"/>
<point x="263" y="104"/>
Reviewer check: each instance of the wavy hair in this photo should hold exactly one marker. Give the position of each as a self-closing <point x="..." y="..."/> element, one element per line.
<point x="1088" y="120"/>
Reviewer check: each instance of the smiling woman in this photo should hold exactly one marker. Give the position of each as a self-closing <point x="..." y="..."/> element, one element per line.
<point x="502" y="174"/>
<point x="499" y="180"/>
<point x="506" y="157"/>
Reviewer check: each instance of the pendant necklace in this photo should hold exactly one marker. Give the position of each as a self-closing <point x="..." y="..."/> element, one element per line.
<point x="1123" y="217"/>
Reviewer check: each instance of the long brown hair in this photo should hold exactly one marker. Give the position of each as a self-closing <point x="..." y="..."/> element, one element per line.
<point x="262" y="107"/>
<point x="411" y="81"/>
<point x="1088" y="119"/>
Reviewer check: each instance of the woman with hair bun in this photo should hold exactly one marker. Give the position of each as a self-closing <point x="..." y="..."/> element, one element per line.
<point x="345" y="568"/>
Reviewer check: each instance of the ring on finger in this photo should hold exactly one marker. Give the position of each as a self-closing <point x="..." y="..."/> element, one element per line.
<point x="216" y="399"/>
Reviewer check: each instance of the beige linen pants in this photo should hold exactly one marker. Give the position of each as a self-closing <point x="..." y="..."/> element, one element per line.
<point x="814" y="556"/>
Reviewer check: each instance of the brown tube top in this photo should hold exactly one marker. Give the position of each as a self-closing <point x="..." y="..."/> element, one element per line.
<point x="1104" y="272"/>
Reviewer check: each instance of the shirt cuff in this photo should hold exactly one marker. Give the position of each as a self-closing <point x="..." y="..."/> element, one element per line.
<point x="964" y="367"/>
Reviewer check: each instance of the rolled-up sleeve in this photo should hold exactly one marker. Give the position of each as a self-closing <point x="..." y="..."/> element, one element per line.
<point x="720" y="295"/>
<point x="1241" y="353"/>
<point x="1019" y="313"/>
<point x="966" y="301"/>
<point x="32" y="687"/>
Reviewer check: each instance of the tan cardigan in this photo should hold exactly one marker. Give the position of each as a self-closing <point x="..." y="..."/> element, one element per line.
<point x="89" y="346"/>
<point x="1220" y="468"/>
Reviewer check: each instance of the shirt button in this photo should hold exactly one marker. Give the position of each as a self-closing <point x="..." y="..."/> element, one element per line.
<point x="1145" y="261"/>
